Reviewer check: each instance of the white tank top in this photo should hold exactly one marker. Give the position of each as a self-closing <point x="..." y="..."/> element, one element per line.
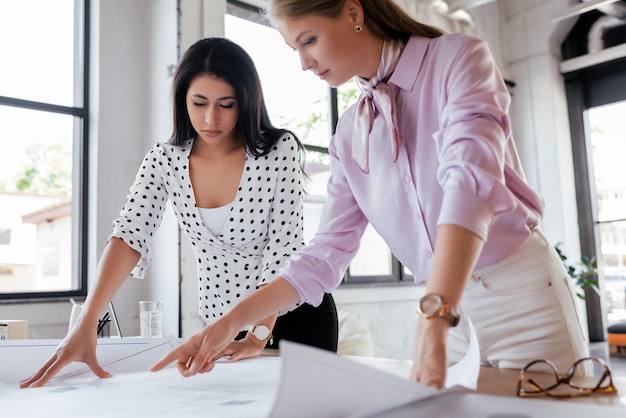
<point x="215" y="218"/>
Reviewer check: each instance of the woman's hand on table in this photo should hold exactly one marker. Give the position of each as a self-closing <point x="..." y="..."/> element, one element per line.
<point x="79" y="345"/>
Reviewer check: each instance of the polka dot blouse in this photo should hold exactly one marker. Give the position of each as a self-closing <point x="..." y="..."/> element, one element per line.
<point x="263" y="229"/>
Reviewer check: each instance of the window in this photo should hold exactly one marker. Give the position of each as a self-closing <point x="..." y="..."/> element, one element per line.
<point x="307" y="106"/>
<point x="43" y="129"/>
<point x="596" y="103"/>
<point x="607" y="146"/>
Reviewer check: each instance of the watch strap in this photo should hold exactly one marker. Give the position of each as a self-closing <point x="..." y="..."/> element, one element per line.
<point x="444" y="311"/>
<point x="449" y="315"/>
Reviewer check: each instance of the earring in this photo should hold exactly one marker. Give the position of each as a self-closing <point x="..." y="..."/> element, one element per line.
<point x="358" y="28"/>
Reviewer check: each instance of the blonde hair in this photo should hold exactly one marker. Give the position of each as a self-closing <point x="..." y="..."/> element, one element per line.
<point x="384" y="18"/>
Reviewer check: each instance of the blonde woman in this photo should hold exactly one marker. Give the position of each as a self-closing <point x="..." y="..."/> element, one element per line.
<point x="427" y="157"/>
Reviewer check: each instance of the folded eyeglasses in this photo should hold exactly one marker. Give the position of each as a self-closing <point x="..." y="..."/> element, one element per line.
<point x="541" y="378"/>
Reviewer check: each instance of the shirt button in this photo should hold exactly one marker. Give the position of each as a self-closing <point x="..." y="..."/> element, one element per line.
<point x="407" y="179"/>
<point x="428" y="254"/>
<point x="419" y="216"/>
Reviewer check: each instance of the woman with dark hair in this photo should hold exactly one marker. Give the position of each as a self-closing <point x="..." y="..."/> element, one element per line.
<point x="427" y="157"/>
<point x="235" y="184"/>
<point x="226" y="61"/>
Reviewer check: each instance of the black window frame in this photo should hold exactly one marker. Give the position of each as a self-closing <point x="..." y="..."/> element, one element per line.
<point x="80" y="158"/>
<point x="586" y="88"/>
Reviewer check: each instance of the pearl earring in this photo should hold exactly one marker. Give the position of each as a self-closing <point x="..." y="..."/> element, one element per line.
<point x="358" y="28"/>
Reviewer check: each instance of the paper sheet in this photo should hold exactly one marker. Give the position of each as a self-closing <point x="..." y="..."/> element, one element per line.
<point x="248" y="388"/>
<point x="243" y="389"/>
<point x="466" y="371"/>
<point x="19" y="359"/>
<point x="304" y="382"/>
<point x="240" y="389"/>
<point x="316" y="383"/>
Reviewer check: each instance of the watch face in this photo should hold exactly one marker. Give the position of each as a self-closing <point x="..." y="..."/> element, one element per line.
<point x="261" y="332"/>
<point x="430" y="304"/>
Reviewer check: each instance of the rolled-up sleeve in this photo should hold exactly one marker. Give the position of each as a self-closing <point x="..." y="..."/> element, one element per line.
<point x="472" y="141"/>
<point x="141" y="216"/>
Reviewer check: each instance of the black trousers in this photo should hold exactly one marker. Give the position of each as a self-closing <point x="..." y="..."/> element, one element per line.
<point x="307" y="324"/>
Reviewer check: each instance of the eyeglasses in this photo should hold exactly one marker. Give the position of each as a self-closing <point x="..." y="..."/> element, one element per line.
<point x="540" y="378"/>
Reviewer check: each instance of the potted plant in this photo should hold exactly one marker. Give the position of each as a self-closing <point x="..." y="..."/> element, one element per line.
<point x="585" y="272"/>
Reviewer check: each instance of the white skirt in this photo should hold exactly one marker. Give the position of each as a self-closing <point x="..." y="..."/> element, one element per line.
<point x="523" y="308"/>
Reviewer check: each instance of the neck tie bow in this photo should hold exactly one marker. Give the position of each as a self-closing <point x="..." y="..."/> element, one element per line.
<point x="376" y="95"/>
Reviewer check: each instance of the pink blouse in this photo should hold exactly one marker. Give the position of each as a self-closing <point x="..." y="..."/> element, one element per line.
<point x="457" y="164"/>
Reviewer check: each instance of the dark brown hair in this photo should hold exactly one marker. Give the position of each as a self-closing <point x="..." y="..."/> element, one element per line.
<point x="226" y="61"/>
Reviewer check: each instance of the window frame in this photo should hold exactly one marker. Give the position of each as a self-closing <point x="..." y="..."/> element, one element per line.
<point x="80" y="162"/>
<point x="586" y="88"/>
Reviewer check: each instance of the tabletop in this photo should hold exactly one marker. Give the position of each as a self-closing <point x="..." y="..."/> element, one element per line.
<point x="503" y="382"/>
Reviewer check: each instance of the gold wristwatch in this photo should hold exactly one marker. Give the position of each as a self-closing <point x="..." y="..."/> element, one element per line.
<point x="433" y="305"/>
<point x="261" y="332"/>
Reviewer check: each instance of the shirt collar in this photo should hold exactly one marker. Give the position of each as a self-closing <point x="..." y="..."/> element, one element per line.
<point x="404" y="76"/>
